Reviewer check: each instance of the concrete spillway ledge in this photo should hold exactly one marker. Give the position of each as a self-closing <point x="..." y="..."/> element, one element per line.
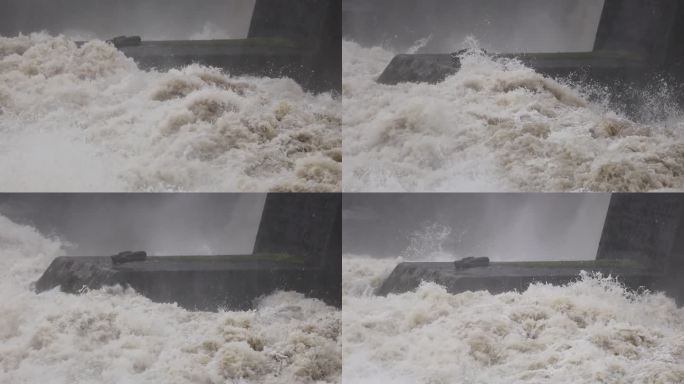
<point x="195" y="282"/>
<point x="625" y="74"/>
<point x="642" y="245"/>
<point x="434" y="68"/>
<point x="502" y="277"/>
<point x="627" y="56"/>
<point x="263" y="57"/>
<point x="296" y="39"/>
<point x="297" y="248"/>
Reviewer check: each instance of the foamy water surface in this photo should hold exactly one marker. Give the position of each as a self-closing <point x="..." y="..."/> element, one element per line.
<point x="114" y="335"/>
<point x="497" y="125"/>
<point x="590" y="331"/>
<point x="87" y="119"/>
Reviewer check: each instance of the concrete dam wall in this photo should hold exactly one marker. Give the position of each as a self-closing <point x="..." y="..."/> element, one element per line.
<point x="644" y="228"/>
<point x="637" y="42"/>
<point x="642" y="244"/>
<point x="300" y="40"/>
<point x="298" y="248"/>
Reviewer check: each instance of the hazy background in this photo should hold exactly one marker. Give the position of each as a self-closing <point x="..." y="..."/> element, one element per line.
<point x="151" y="19"/>
<point x="499" y="25"/>
<point x="500" y="226"/>
<point x="161" y="224"/>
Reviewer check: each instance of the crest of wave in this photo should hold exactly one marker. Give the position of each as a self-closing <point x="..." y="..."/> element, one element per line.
<point x="496" y="125"/>
<point x="363" y="274"/>
<point x="427" y="243"/>
<point x="104" y="124"/>
<point x="589" y="331"/>
<point x="114" y="335"/>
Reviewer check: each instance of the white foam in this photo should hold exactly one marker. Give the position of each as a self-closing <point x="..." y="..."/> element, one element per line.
<point x="113" y="335"/>
<point x="87" y="119"/>
<point x="495" y="126"/>
<point x="591" y="331"/>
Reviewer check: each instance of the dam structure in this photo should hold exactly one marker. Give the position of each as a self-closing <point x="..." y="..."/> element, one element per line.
<point x="300" y="40"/>
<point x="637" y="42"/>
<point x="297" y="248"/>
<point x="642" y="245"/>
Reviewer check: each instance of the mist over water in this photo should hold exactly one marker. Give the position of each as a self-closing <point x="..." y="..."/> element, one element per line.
<point x="150" y="19"/>
<point x="500" y="25"/>
<point x="503" y="227"/>
<point x="166" y="224"/>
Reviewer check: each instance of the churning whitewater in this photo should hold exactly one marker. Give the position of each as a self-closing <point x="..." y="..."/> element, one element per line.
<point x="590" y="331"/>
<point x="497" y="125"/>
<point x="114" y="335"/>
<point x="86" y="118"/>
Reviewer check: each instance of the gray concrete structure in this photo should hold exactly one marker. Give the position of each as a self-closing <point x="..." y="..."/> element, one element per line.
<point x="637" y="41"/>
<point x="644" y="228"/>
<point x="649" y="229"/>
<point x="642" y="244"/>
<point x="304" y="224"/>
<point x="650" y="28"/>
<point x="503" y="277"/>
<point x="300" y="40"/>
<point x="298" y="248"/>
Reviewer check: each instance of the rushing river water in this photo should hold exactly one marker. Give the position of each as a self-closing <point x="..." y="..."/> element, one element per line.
<point x="590" y="331"/>
<point x="114" y="335"/>
<point x="497" y="125"/>
<point x="86" y="118"/>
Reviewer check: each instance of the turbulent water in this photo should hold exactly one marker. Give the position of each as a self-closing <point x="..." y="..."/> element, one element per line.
<point x="117" y="336"/>
<point x="498" y="125"/>
<point x="590" y="331"/>
<point x="87" y="119"/>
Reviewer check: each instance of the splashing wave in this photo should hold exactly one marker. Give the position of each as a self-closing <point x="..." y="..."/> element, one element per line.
<point x="589" y="331"/>
<point x="85" y="118"/>
<point x="496" y="125"/>
<point x="113" y="335"/>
